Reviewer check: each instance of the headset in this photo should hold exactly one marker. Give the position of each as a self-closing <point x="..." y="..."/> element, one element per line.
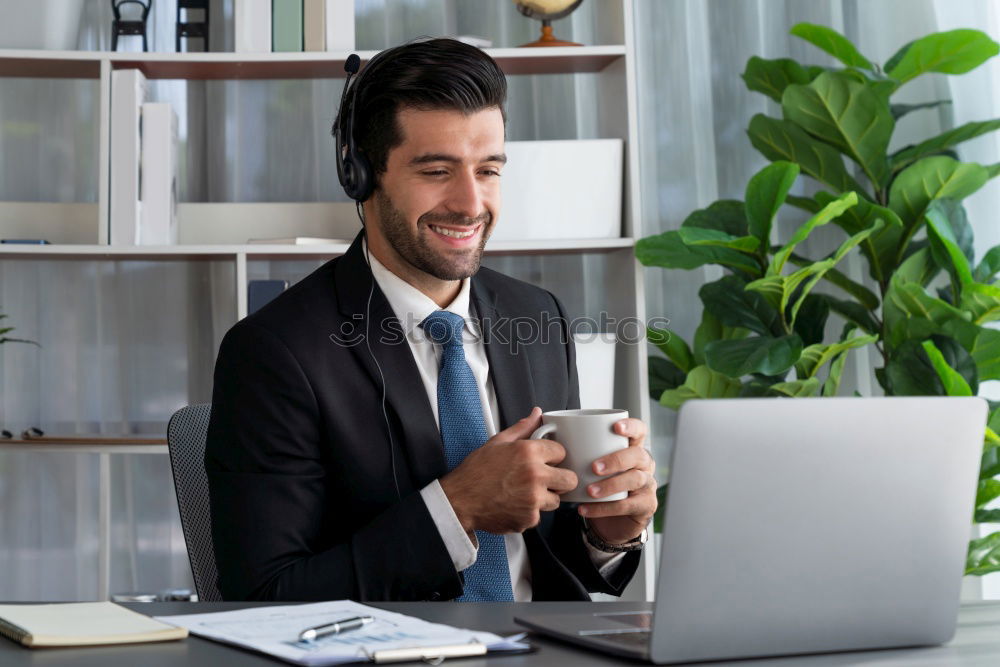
<point x="355" y="173"/>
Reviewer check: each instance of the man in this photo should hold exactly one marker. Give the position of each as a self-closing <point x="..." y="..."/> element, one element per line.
<point x="369" y="427"/>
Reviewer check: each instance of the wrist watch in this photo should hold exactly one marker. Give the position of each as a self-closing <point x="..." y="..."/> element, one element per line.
<point x="595" y="540"/>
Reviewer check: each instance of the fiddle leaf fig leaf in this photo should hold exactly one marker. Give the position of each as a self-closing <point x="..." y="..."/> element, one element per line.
<point x="765" y="193"/>
<point x="826" y="214"/>
<point x="815" y="357"/>
<point x="952" y="52"/>
<point x="945" y="140"/>
<point x="983" y="301"/>
<point x="701" y="382"/>
<point x="929" y="179"/>
<point x="784" y="140"/>
<point x="846" y="114"/>
<point x="669" y="250"/>
<point x="771" y="77"/>
<point x="832" y="42"/>
<point x="758" y="354"/>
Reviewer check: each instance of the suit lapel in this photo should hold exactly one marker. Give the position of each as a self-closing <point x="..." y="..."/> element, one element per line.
<point x="420" y="438"/>
<point x="509" y="367"/>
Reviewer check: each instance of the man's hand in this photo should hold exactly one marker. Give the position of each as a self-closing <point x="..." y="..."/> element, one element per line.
<point x="503" y="486"/>
<point x="633" y="468"/>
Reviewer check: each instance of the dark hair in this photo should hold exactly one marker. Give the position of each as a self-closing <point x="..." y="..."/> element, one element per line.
<point x="429" y="75"/>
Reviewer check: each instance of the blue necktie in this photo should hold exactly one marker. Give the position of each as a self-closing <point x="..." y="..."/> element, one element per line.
<point x="463" y="430"/>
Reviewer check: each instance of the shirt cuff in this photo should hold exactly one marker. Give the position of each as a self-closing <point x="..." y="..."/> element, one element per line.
<point x="456" y="540"/>
<point x="605" y="562"/>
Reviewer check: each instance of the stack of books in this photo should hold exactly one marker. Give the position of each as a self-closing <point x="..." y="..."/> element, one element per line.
<point x="294" y="25"/>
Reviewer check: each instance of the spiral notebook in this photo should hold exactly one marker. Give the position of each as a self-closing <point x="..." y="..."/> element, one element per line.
<point x="81" y="624"/>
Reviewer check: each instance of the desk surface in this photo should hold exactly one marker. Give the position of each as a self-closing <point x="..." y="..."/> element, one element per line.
<point x="976" y="644"/>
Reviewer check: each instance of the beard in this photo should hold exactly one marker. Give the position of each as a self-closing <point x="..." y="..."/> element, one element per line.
<point x="415" y="249"/>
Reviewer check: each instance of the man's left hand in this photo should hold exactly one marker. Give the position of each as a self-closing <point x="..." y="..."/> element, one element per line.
<point x="632" y="469"/>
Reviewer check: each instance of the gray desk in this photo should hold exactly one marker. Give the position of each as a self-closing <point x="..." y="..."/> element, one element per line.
<point x="976" y="644"/>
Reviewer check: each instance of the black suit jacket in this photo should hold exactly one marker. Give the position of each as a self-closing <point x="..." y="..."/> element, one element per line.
<point x="312" y="499"/>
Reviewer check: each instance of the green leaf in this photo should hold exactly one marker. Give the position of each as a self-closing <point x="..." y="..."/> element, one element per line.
<point x="696" y="236"/>
<point x="910" y="312"/>
<point x="711" y="329"/>
<point x="912" y="371"/>
<point x="725" y="215"/>
<point x="984" y="555"/>
<point x="832" y="383"/>
<point x="983" y="344"/>
<point x="943" y="141"/>
<point x="810" y="324"/>
<point x="954" y="384"/>
<point x="796" y="388"/>
<point x="986" y="516"/>
<point x="730" y="303"/>
<point x="663" y="375"/>
<point x="673" y="346"/>
<point x="765" y="193"/>
<point x="983" y="301"/>
<point x="668" y="250"/>
<point x="944" y="245"/>
<point x="846" y="114"/>
<point x="784" y="140"/>
<point x="952" y="52"/>
<point x="815" y="357"/>
<point x="771" y="77"/>
<point x="929" y="179"/>
<point x="702" y="382"/>
<point x="988" y="491"/>
<point x="989" y="266"/>
<point x="853" y="312"/>
<point x="826" y="214"/>
<point x="832" y="42"/>
<point x="919" y="268"/>
<point x="807" y="204"/>
<point x="882" y="247"/>
<point x="835" y="277"/>
<point x="900" y="110"/>
<point x="759" y="354"/>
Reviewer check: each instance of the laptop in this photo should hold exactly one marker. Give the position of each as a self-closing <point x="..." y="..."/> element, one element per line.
<point x="797" y="526"/>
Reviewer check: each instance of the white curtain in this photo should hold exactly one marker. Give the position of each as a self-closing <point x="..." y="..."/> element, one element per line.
<point x="126" y="343"/>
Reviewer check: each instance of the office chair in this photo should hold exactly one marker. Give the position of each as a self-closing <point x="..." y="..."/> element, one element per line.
<point x="120" y="26"/>
<point x="186" y="434"/>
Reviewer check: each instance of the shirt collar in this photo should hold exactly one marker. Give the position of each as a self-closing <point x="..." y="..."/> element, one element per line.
<point x="410" y="305"/>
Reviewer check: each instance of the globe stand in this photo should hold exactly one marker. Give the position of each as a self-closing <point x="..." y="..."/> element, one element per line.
<point x="548" y="39"/>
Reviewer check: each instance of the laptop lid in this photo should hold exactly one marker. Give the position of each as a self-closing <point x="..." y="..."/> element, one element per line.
<point x="814" y="525"/>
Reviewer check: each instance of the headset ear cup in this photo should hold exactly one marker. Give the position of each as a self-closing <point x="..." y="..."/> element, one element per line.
<point x="361" y="176"/>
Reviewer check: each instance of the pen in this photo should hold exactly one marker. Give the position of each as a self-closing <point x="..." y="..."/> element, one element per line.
<point x="334" y="628"/>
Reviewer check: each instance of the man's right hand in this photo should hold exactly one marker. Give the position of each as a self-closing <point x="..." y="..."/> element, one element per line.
<point x="503" y="486"/>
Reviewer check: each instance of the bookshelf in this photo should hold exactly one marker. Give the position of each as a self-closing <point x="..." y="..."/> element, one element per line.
<point x="607" y="278"/>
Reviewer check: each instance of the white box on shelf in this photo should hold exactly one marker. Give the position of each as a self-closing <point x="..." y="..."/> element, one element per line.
<point x="339" y="25"/>
<point x="595" y="366"/>
<point x="128" y="92"/>
<point x="158" y="224"/>
<point x="252" y="26"/>
<point x="561" y="190"/>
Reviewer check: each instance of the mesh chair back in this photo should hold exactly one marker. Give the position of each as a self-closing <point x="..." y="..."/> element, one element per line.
<point x="186" y="435"/>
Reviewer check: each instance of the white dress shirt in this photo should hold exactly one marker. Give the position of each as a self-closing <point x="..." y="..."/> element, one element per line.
<point x="411" y="307"/>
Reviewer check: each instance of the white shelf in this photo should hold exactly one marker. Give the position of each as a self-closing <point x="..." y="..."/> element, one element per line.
<point x="301" y="65"/>
<point x="266" y="251"/>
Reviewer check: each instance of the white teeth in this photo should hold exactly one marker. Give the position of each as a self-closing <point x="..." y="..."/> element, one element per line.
<point x="453" y="234"/>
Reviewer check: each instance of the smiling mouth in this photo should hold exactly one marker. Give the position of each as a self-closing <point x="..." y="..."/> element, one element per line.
<point x="455" y="233"/>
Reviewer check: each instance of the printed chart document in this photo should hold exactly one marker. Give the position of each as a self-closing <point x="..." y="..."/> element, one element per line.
<point x="275" y="631"/>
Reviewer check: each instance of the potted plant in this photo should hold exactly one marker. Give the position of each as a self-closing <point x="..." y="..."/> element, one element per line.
<point x="926" y="304"/>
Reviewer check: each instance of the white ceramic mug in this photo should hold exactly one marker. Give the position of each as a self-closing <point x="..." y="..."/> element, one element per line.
<point x="587" y="435"/>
